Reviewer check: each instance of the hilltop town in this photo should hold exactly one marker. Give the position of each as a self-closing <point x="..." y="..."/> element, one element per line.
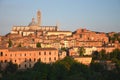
<point x="25" y="45"/>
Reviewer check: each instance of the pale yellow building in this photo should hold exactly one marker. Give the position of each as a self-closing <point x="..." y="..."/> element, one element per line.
<point x="83" y="60"/>
<point x="65" y="33"/>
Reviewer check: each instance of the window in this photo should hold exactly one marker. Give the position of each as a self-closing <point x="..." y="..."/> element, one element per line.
<point x="1" y="54"/>
<point x="49" y="59"/>
<point x="80" y="35"/>
<point x="44" y="53"/>
<point x="49" y="53"/>
<point x="82" y="30"/>
<point x="1" y="61"/>
<point x="15" y="61"/>
<point x="30" y="60"/>
<point x="19" y="66"/>
<point x="5" y="61"/>
<point x="10" y="60"/>
<point x="39" y="59"/>
<point x="29" y="65"/>
<point x="25" y="66"/>
<point x="34" y="59"/>
<point x="39" y="53"/>
<point x="54" y="58"/>
<point x="25" y="60"/>
<point x="5" y="54"/>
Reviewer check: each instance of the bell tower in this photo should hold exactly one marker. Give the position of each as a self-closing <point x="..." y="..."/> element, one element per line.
<point x="39" y="18"/>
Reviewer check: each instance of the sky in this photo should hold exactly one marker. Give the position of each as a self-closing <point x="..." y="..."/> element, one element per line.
<point x="95" y="15"/>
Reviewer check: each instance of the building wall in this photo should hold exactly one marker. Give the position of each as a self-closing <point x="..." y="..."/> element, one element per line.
<point x="83" y="60"/>
<point x="67" y="33"/>
<point x="26" y="58"/>
<point x="86" y="35"/>
<point x="89" y="43"/>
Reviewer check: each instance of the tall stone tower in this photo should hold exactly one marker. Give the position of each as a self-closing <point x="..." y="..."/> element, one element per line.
<point x="39" y="18"/>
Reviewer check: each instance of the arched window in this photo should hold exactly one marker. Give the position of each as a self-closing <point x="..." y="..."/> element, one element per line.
<point x="29" y="65"/>
<point x="44" y="53"/>
<point x="39" y="59"/>
<point x="30" y="60"/>
<point x="25" y="59"/>
<point x="50" y="59"/>
<point x="54" y="58"/>
<point x="5" y="54"/>
<point x="19" y="66"/>
<point x="49" y="53"/>
<point x="25" y="66"/>
<point x="39" y="53"/>
<point x="1" y="61"/>
<point x="15" y="60"/>
<point x="1" y="53"/>
<point x="34" y="59"/>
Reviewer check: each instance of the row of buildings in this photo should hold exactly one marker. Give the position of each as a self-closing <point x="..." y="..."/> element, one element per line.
<point x="20" y="45"/>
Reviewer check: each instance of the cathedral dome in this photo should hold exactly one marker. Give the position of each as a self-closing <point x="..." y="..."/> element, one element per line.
<point x="33" y="23"/>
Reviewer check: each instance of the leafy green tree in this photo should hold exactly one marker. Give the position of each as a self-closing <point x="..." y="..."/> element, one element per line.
<point x="43" y="69"/>
<point x="64" y="49"/>
<point x="102" y="55"/>
<point x="67" y="62"/>
<point x="115" y="57"/>
<point x="95" y="55"/>
<point x="38" y="45"/>
<point x="81" y="51"/>
<point x="61" y="68"/>
<point x="11" y="68"/>
<point x="78" y="67"/>
<point x="115" y="54"/>
<point x="0" y="67"/>
<point x="114" y="37"/>
<point x="58" y="72"/>
<point x="10" y="43"/>
<point x="97" y="67"/>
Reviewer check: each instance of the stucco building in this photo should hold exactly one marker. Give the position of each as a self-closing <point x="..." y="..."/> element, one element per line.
<point x="27" y="57"/>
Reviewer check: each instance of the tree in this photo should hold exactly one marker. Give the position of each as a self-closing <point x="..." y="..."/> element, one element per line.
<point x="9" y="43"/>
<point x="38" y="45"/>
<point x="114" y="37"/>
<point x="97" y="67"/>
<point x="0" y="67"/>
<point x="43" y="70"/>
<point x="102" y="55"/>
<point x="95" y="55"/>
<point x="115" y="54"/>
<point x="64" y="49"/>
<point x="11" y="68"/>
<point x="81" y="51"/>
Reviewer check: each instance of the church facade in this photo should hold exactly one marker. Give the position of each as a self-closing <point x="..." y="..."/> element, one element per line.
<point x="33" y="28"/>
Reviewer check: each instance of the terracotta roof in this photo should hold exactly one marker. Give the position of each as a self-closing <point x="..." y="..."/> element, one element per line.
<point x="30" y="49"/>
<point x="59" y="31"/>
<point x="48" y="26"/>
